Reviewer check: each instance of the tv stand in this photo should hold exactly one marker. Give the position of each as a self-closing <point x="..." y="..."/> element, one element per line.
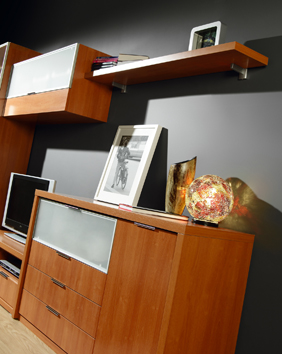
<point x="10" y="286"/>
<point x="16" y="237"/>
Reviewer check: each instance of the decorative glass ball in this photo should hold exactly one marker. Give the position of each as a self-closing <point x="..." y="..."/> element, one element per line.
<point x="209" y="199"/>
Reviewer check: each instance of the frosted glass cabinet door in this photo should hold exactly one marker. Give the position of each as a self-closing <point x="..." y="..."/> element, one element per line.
<point x="78" y="233"/>
<point x="46" y="72"/>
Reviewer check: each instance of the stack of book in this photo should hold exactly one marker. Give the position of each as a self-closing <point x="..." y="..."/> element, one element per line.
<point x="129" y="58"/>
<point x="104" y="62"/>
<point x="107" y="62"/>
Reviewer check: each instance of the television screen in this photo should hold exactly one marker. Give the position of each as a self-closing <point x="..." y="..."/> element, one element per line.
<point x="20" y="198"/>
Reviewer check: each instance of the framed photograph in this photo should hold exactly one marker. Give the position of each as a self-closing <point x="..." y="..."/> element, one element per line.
<point x="128" y="164"/>
<point x="207" y="35"/>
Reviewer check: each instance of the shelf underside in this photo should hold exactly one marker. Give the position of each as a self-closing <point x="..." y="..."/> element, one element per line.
<point x="196" y="62"/>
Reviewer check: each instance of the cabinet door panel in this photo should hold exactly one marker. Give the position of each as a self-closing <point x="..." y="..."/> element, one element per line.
<point x="79" y="233"/>
<point x="8" y="287"/>
<point x="66" y="335"/>
<point x="208" y="296"/>
<point x="47" y="72"/>
<point x="80" y="277"/>
<point x="76" y="308"/>
<point x="136" y="290"/>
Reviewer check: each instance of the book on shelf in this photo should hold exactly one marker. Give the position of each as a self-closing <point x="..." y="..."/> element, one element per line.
<point x="153" y="212"/>
<point x="105" y="59"/>
<point x="131" y="57"/>
<point x="107" y="64"/>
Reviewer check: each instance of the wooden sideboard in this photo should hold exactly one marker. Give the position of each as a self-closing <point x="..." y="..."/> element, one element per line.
<point x="171" y="287"/>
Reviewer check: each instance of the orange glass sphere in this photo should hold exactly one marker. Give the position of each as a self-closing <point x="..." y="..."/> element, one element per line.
<point x="209" y="199"/>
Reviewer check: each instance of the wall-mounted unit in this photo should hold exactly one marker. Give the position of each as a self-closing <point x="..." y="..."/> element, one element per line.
<point x="52" y="89"/>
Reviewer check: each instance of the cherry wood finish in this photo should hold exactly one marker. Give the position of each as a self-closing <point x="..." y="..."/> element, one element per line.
<point x="16" y="54"/>
<point x="136" y="290"/>
<point x="208" y="296"/>
<point x="80" y="277"/>
<point x="65" y="334"/>
<point x="84" y="102"/>
<point x="195" y="62"/>
<point x="42" y="336"/>
<point x="15" y="145"/>
<point x="15" y="137"/>
<point x="8" y="287"/>
<point x="70" y="304"/>
<point x="12" y="246"/>
<point x="175" y="288"/>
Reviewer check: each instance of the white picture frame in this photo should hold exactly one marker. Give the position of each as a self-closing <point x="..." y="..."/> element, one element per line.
<point x="141" y="142"/>
<point x="197" y="34"/>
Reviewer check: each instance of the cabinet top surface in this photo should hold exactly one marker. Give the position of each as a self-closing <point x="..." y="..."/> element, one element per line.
<point x="195" y="62"/>
<point x="176" y="226"/>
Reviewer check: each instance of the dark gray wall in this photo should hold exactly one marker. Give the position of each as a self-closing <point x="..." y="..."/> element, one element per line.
<point x="232" y="126"/>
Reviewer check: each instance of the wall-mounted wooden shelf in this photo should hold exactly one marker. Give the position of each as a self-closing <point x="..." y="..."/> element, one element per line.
<point x="214" y="59"/>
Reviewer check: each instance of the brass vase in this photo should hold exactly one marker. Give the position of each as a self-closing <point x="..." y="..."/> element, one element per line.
<point x="180" y="176"/>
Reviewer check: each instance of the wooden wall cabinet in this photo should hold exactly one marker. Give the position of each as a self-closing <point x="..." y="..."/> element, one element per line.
<point x="15" y="144"/>
<point x="88" y="98"/>
<point x="81" y="102"/>
<point x="15" y="137"/>
<point x="171" y="287"/>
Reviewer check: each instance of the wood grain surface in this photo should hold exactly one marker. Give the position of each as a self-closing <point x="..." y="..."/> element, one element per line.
<point x="16" y="338"/>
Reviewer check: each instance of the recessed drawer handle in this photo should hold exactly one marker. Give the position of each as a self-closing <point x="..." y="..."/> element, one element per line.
<point x="52" y="311"/>
<point x="61" y="285"/>
<point x="72" y="207"/>
<point x="144" y="226"/>
<point x="62" y="255"/>
<point x="4" y="275"/>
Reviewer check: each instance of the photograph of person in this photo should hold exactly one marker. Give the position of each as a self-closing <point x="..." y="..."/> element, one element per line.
<point x="125" y="164"/>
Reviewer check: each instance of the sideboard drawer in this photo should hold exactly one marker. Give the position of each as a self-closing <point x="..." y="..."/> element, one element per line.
<point x="8" y="287"/>
<point x="61" y="331"/>
<point x="76" y="275"/>
<point x="78" y="233"/>
<point x="76" y="308"/>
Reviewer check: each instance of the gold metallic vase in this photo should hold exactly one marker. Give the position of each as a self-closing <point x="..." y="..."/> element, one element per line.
<point x="180" y="176"/>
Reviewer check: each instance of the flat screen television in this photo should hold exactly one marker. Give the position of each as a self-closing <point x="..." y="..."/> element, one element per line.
<point x="19" y="201"/>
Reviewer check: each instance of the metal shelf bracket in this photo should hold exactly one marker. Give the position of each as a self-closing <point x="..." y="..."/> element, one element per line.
<point x="120" y="86"/>
<point x="241" y="71"/>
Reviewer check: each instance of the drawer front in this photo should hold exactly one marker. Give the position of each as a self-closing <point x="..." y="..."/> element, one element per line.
<point x="80" y="277"/>
<point x="83" y="235"/>
<point x="8" y="287"/>
<point x="65" y="334"/>
<point x="76" y="308"/>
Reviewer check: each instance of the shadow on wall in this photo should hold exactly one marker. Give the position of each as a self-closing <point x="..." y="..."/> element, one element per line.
<point x="130" y="108"/>
<point x="262" y="312"/>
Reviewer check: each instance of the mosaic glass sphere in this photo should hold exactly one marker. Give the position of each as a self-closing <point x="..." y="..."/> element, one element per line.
<point x="209" y="199"/>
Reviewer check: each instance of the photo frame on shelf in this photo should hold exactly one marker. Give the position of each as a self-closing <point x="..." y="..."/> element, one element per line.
<point x="127" y="164"/>
<point x="207" y="35"/>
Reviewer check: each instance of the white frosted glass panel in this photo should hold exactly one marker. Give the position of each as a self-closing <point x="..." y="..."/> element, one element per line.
<point x="80" y="234"/>
<point x="46" y="72"/>
<point x="4" y="48"/>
